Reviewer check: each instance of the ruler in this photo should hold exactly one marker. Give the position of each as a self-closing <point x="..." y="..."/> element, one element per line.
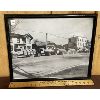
<point x="50" y="83"/>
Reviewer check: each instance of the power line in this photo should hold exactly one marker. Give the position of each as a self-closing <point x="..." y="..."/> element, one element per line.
<point x="57" y="36"/>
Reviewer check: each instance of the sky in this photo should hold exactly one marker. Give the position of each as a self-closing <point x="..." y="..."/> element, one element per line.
<point x="58" y="29"/>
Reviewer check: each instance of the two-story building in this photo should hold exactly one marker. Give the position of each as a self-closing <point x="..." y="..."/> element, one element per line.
<point x="77" y="42"/>
<point x="20" y="41"/>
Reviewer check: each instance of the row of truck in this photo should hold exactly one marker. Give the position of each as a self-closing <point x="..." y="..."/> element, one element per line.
<point x="43" y="52"/>
<point x="46" y="52"/>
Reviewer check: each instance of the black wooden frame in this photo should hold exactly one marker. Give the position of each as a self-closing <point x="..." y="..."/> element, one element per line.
<point x="6" y="18"/>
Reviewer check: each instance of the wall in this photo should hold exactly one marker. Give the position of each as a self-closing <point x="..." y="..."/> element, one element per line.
<point x="81" y="42"/>
<point x="14" y="40"/>
<point x="4" y="65"/>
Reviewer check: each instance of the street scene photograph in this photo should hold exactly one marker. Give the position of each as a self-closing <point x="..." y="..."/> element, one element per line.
<point x="56" y="48"/>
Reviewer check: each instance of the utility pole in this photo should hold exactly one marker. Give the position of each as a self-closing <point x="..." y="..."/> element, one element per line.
<point x="46" y="40"/>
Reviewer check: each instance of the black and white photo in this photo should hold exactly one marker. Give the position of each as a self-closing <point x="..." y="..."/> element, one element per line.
<point x="51" y="47"/>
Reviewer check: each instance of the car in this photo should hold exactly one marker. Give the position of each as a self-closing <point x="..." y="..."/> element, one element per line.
<point x="84" y="50"/>
<point x="21" y="53"/>
<point x="49" y="52"/>
<point x="32" y="51"/>
<point x="61" y="51"/>
<point x="42" y="51"/>
<point x="71" y="51"/>
<point x="28" y="52"/>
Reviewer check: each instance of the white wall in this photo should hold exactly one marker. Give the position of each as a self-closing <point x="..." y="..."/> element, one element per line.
<point x="81" y="42"/>
<point x="14" y="40"/>
<point x="28" y="43"/>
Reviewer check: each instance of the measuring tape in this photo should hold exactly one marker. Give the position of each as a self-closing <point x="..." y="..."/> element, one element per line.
<point x="50" y="83"/>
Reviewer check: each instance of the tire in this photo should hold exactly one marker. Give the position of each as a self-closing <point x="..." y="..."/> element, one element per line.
<point x="27" y="54"/>
<point x="47" y="54"/>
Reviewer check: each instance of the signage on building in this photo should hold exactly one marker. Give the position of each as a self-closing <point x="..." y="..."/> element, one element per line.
<point x="12" y="22"/>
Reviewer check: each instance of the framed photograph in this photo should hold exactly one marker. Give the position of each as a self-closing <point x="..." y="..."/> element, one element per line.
<point x="50" y="47"/>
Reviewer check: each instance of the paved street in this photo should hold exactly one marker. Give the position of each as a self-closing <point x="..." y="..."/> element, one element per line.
<point x="54" y="66"/>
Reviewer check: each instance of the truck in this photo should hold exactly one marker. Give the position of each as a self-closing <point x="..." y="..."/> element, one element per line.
<point x="50" y="50"/>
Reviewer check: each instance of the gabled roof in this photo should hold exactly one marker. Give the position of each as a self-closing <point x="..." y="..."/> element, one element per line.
<point x="28" y="35"/>
<point x="20" y="35"/>
<point x="16" y="35"/>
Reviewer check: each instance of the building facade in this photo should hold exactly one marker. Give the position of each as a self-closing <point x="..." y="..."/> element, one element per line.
<point x="77" y="42"/>
<point x="81" y="42"/>
<point x="20" y="41"/>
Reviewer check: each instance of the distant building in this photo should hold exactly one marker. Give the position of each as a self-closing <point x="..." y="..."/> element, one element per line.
<point x="65" y="46"/>
<point x="77" y="42"/>
<point x="39" y="46"/>
<point x="54" y="45"/>
<point x="20" y="41"/>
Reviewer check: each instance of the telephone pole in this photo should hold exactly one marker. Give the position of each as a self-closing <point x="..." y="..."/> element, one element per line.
<point x="46" y="40"/>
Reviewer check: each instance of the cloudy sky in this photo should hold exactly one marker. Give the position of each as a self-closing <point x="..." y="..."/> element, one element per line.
<point x="58" y="29"/>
